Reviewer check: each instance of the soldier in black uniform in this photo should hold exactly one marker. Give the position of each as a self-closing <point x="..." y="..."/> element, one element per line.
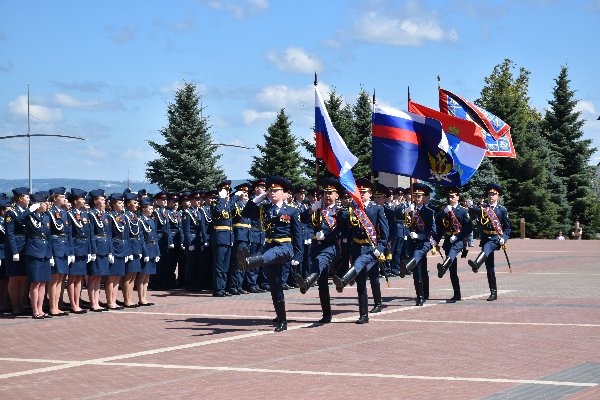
<point x="175" y="249"/>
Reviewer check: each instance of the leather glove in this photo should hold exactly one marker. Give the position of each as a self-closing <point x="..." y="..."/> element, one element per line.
<point x="501" y="241"/>
<point x="448" y="209"/>
<point x="414" y="235"/>
<point x="34" y="207"/>
<point x="171" y="246"/>
<point x="223" y="193"/>
<point x="192" y="247"/>
<point x="259" y="198"/>
<point x="89" y="258"/>
<point x="157" y="259"/>
<point x="376" y="253"/>
<point x="93" y="257"/>
<point x="316" y="205"/>
<point x="469" y="203"/>
<point x="52" y="262"/>
<point x="453" y="238"/>
<point x="146" y="259"/>
<point x="294" y="263"/>
<point x="111" y="259"/>
<point x="16" y="257"/>
<point x="320" y="235"/>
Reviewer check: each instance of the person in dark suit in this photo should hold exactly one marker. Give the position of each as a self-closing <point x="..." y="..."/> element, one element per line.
<point x="15" y="250"/>
<point x="495" y="230"/>
<point x="454" y="226"/>
<point x="283" y="241"/>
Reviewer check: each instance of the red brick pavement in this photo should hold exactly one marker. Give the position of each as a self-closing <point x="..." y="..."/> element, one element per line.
<point x="547" y="319"/>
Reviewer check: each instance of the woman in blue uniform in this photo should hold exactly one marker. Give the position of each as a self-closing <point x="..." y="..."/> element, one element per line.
<point x="120" y="250"/>
<point x="38" y="251"/>
<point x="152" y="255"/>
<point x="60" y="239"/>
<point x="101" y="247"/>
<point x="137" y="246"/>
<point x="81" y="235"/>
<point x="15" y="250"/>
<point x="4" y="204"/>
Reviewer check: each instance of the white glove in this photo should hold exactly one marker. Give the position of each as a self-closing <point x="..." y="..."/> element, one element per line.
<point x="376" y="253"/>
<point x="453" y="238"/>
<point x="205" y="244"/>
<point x="414" y="235"/>
<point x="223" y="193"/>
<point x="448" y="209"/>
<point x="70" y="259"/>
<point x="238" y="193"/>
<point x="501" y="241"/>
<point x="182" y="247"/>
<point x="345" y="240"/>
<point x="320" y="235"/>
<point x="316" y="205"/>
<point x="111" y="259"/>
<point x="16" y="257"/>
<point x="411" y="207"/>
<point x="0" y="262"/>
<point x="433" y="243"/>
<point x="146" y="259"/>
<point x="259" y="198"/>
<point x="192" y="247"/>
<point x="93" y="257"/>
<point x="171" y="246"/>
<point x="157" y="259"/>
<point x="405" y="237"/>
<point x="34" y="207"/>
<point x="294" y="263"/>
<point x="52" y="262"/>
<point x="469" y="203"/>
<point x="89" y="258"/>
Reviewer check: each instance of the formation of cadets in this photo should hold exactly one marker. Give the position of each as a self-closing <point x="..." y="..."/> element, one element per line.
<point x="265" y="235"/>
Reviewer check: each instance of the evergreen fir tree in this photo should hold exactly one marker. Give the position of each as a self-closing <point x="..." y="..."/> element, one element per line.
<point x="475" y="188"/>
<point x="279" y="155"/>
<point x="187" y="160"/>
<point x="360" y="144"/>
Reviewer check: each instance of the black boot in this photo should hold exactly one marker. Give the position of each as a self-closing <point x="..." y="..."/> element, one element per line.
<point x="410" y="265"/>
<point x="420" y="296"/>
<point x="493" y="289"/>
<point x="456" y="289"/>
<point x="442" y="268"/>
<point x="325" y="306"/>
<point x="305" y="284"/>
<point x="281" y="319"/>
<point x="377" y="299"/>
<point x="340" y="283"/>
<point x="241" y="255"/>
<point x="425" y="288"/>
<point x="253" y="262"/>
<point x="475" y="265"/>
<point x="402" y="268"/>
<point x="363" y="309"/>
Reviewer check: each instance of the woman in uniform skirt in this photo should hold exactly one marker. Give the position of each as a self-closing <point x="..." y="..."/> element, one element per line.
<point x="81" y="234"/>
<point x="138" y="248"/>
<point x="101" y="247"/>
<point x="15" y="250"/>
<point x="120" y="250"/>
<point x="152" y="255"/>
<point x="38" y="251"/>
<point x="60" y="240"/>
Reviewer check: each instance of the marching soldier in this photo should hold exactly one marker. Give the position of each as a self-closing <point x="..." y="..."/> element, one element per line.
<point x="369" y="232"/>
<point x="283" y="240"/>
<point x="241" y="235"/>
<point x="422" y="231"/>
<point x="454" y="225"/>
<point x="494" y="233"/>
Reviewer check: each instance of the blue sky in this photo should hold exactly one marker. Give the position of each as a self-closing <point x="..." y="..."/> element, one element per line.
<point x="107" y="70"/>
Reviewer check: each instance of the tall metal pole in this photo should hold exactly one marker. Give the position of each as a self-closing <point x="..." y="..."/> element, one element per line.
<point x="29" y="140"/>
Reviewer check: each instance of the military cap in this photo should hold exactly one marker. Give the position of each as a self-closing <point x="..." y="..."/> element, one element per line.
<point x="299" y="189"/>
<point x="58" y="190"/>
<point x="421" y="188"/>
<point x="4" y="203"/>
<point x="96" y="193"/>
<point x="196" y="195"/>
<point x="364" y="184"/>
<point x="116" y="197"/>
<point x="259" y="182"/>
<point x="278" y="182"/>
<point x="226" y="184"/>
<point x="127" y="190"/>
<point x="145" y="202"/>
<point x="381" y="190"/>
<point x="211" y="193"/>
<point x="142" y="192"/>
<point x="20" y="191"/>
<point x="331" y="184"/>
<point x="38" y="197"/>
<point x="493" y="186"/>
<point x="77" y="193"/>
<point x="185" y="196"/>
<point x="160" y="195"/>
<point x="244" y="187"/>
<point x="313" y="191"/>
<point x="399" y="191"/>
<point x="452" y="190"/>
<point x="130" y="196"/>
<point x="173" y="196"/>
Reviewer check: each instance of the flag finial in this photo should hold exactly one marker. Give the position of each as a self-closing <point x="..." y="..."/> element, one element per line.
<point x="315" y="79"/>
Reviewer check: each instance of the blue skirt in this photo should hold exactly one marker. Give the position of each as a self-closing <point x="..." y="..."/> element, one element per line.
<point x="134" y="265"/>
<point x="79" y="267"/>
<point x="149" y="267"/>
<point x="16" y="268"/>
<point x="38" y="269"/>
<point x="117" y="268"/>
<point x="61" y="265"/>
<point x="99" y="267"/>
<point x="3" y="270"/>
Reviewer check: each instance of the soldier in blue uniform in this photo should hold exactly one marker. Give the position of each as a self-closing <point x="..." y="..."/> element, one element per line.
<point x="454" y="225"/>
<point x="324" y="248"/>
<point x="421" y="232"/>
<point x="401" y="220"/>
<point x="101" y="247"/>
<point x="241" y="236"/>
<point x="283" y="240"/>
<point x="494" y="233"/>
<point x="121" y="251"/>
<point x="4" y="205"/>
<point x="208" y="198"/>
<point x="165" y="240"/>
<point x="81" y="238"/>
<point x="38" y="251"/>
<point x="222" y="239"/>
<point x="193" y="228"/>
<point x="137" y="247"/>
<point x="152" y="256"/>
<point x="256" y="277"/>
<point x="174" y="252"/>
<point x="366" y="250"/>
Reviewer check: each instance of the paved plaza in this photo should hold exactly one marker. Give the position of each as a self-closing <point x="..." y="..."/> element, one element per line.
<point x="540" y="340"/>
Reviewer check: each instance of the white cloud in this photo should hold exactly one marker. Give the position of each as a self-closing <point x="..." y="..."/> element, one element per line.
<point x="414" y="31"/>
<point x="18" y="107"/>
<point x="65" y="100"/>
<point x="282" y="96"/>
<point x="139" y="154"/>
<point x="240" y="9"/>
<point x="296" y="60"/>
<point x="586" y="107"/>
<point x="251" y="116"/>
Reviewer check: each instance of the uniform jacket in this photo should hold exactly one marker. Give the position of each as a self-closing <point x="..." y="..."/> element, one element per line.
<point x="120" y="234"/>
<point x="427" y="229"/>
<point x="101" y="232"/>
<point x="15" y="230"/>
<point x="159" y="215"/>
<point x="37" y="226"/>
<point x="60" y="230"/>
<point x="241" y="225"/>
<point x="486" y="227"/>
<point x="357" y="235"/>
<point x="150" y="236"/>
<point x="455" y="223"/>
<point x="192" y="225"/>
<point x="136" y="237"/>
<point x="81" y="233"/>
<point x="175" y="227"/>
<point x="222" y="232"/>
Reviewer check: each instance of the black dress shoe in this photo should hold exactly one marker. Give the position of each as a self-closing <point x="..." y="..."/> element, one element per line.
<point x="325" y="320"/>
<point x="97" y="309"/>
<point x="242" y="291"/>
<point x="255" y="290"/>
<point x="79" y="312"/>
<point x="233" y="292"/>
<point x="60" y="314"/>
<point x="219" y="294"/>
<point x="145" y="304"/>
<point x="377" y="308"/>
<point x="131" y="306"/>
<point x="285" y="286"/>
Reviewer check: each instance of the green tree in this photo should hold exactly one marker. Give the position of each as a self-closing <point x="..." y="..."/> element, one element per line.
<point x="279" y="155"/>
<point x="475" y="188"/>
<point x="360" y="143"/>
<point x="187" y="160"/>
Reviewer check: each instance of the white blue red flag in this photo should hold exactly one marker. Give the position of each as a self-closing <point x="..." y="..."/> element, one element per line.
<point x="333" y="151"/>
<point x="467" y="144"/>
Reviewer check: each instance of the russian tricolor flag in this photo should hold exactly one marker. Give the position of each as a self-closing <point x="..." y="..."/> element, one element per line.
<point x="333" y="151"/>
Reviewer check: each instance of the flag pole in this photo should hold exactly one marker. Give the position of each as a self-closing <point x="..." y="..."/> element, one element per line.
<point x="316" y="82"/>
<point x="439" y="84"/>
<point x="372" y="114"/>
